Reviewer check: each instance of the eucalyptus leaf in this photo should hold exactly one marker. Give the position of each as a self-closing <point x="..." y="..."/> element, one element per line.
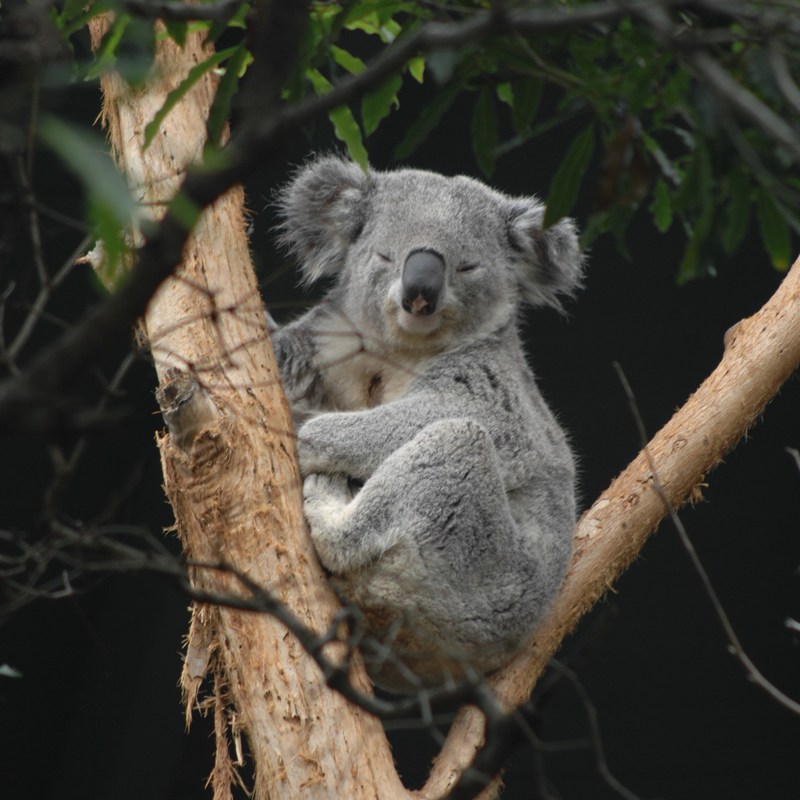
<point x="696" y="184"/>
<point x="86" y="155"/>
<point x="737" y="215"/>
<point x="484" y="131"/>
<point x="344" y="123"/>
<point x="228" y="86"/>
<point x="110" y="206"/>
<point x="774" y="231"/>
<point x="661" y="207"/>
<point x="527" y="95"/>
<point x="176" y="31"/>
<point x="505" y="93"/>
<point x="107" y="56"/>
<point x="564" y="188"/>
<point x="377" y="104"/>
<point x="177" y="94"/>
<point x="353" y="64"/>
<point x="416" y="66"/>
<point x="427" y="121"/>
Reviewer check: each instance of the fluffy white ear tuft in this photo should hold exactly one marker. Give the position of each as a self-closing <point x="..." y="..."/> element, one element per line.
<point x="552" y="263"/>
<point x="324" y="208"/>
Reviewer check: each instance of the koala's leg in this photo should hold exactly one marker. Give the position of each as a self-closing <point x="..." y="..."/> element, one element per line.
<point x="439" y="497"/>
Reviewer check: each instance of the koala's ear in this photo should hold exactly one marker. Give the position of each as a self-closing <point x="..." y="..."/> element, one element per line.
<point x="552" y="261"/>
<point x="324" y="209"/>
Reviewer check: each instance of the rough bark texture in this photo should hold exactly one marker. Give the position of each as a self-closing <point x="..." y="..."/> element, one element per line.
<point x="236" y="492"/>
<point x="235" y="487"/>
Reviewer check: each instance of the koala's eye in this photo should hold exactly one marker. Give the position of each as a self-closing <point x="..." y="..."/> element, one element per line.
<point x="467" y="268"/>
<point x="384" y="257"/>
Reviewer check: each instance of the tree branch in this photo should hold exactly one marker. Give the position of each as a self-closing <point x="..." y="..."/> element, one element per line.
<point x="761" y="352"/>
<point x="26" y="402"/>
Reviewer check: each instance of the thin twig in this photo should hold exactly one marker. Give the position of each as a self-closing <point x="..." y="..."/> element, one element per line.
<point x="735" y="646"/>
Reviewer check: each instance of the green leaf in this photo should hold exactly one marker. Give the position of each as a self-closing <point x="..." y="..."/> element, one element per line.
<point x="110" y="258"/>
<point x="228" y="86"/>
<point x="107" y="56"/>
<point x="110" y="206"/>
<point x="176" y="31"/>
<point x="737" y="216"/>
<point x="353" y="64"/>
<point x="85" y="153"/>
<point x="662" y="160"/>
<point x="564" y="188"/>
<point x="527" y="94"/>
<point x="692" y="265"/>
<point x="427" y="121"/>
<point x="216" y="29"/>
<point x="377" y="104"/>
<point x="185" y="210"/>
<point x="378" y="24"/>
<point x="375" y="12"/>
<point x="697" y="185"/>
<point x="344" y="123"/>
<point x="505" y="94"/>
<point x="597" y="223"/>
<point x="71" y="10"/>
<point x="417" y="68"/>
<point x="177" y="94"/>
<point x="661" y="207"/>
<point x="774" y="231"/>
<point x="484" y="131"/>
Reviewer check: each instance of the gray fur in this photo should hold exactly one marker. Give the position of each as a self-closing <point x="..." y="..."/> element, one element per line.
<point x="463" y="528"/>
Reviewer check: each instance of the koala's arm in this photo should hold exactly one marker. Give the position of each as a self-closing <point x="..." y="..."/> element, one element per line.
<point x="357" y="442"/>
<point x="296" y="354"/>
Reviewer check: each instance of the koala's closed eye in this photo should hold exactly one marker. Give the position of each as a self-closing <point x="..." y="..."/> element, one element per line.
<point x="468" y="268"/>
<point x="384" y="257"/>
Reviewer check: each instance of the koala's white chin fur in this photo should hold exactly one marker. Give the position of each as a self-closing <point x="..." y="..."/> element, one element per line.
<point x="419" y="323"/>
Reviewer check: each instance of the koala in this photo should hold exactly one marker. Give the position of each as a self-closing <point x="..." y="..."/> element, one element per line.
<point x="438" y="486"/>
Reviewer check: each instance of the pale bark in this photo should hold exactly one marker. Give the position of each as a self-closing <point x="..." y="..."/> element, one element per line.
<point x="235" y="486"/>
<point x="236" y="492"/>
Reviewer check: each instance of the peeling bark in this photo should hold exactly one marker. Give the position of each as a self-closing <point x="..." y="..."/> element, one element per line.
<point x="232" y="477"/>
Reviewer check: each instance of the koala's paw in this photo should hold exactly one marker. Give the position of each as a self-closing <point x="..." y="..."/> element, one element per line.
<point x="325" y="500"/>
<point x="312" y="452"/>
<point x="325" y="494"/>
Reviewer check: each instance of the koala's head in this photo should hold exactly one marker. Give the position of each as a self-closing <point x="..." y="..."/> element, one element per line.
<point x="421" y="258"/>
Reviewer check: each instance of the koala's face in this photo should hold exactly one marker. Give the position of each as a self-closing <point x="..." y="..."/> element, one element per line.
<point x="423" y="259"/>
<point x="432" y="259"/>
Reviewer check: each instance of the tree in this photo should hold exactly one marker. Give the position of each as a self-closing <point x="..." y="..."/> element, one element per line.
<point x="506" y="54"/>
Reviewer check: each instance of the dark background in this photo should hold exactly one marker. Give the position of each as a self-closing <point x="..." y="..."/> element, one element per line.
<point x="97" y="714"/>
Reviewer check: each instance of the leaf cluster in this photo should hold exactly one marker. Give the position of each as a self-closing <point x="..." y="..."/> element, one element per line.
<point x="653" y="134"/>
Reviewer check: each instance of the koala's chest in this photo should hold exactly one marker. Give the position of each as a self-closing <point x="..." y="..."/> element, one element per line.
<point x="359" y="380"/>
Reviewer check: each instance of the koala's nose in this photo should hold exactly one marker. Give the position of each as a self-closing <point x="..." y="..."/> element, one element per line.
<point x="423" y="281"/>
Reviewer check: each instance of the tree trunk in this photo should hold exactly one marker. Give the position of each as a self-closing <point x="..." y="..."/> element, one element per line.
<point x="233" y="481"/>
<point x="235" y="488"/>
